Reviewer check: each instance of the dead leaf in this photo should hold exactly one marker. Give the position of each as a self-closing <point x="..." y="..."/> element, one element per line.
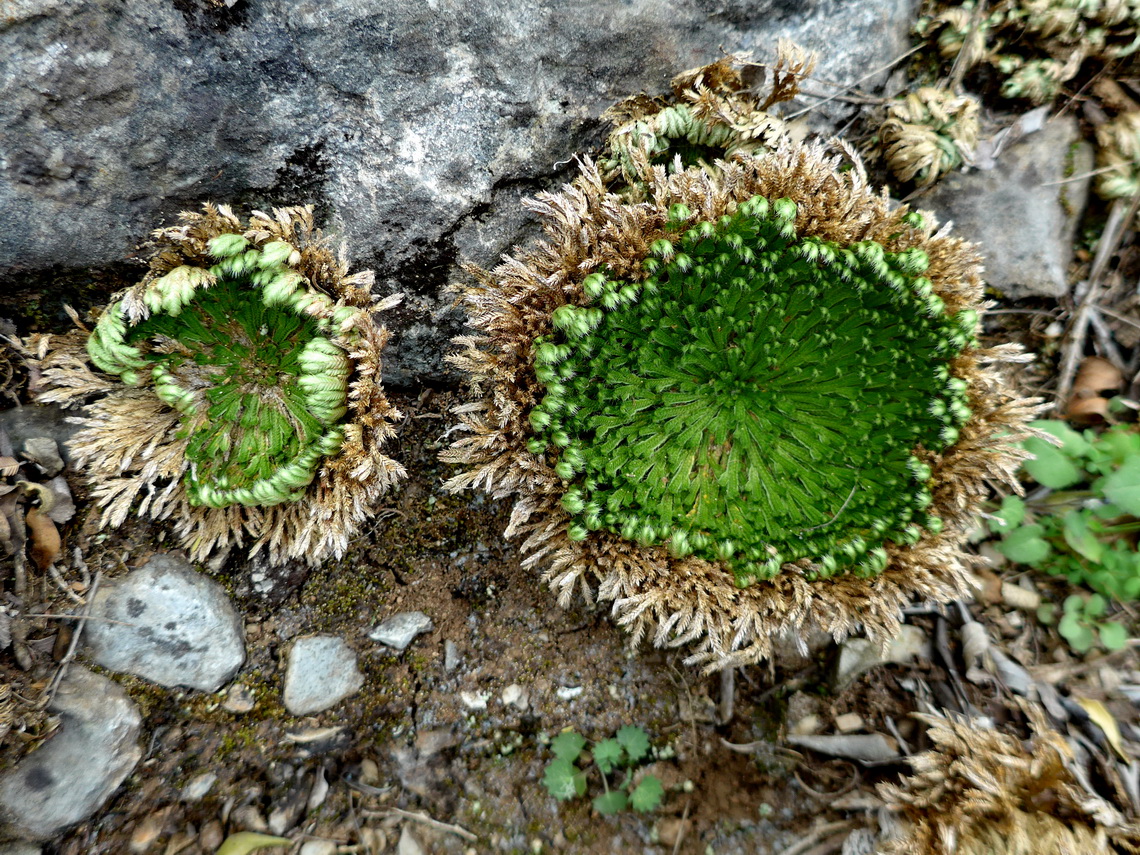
<point x="247" y="841"/>
<point x="45" y="538"/>
<point x="1096" y="377"/>
<point x="9" y="466"/>
<point x="1102" y="718"/>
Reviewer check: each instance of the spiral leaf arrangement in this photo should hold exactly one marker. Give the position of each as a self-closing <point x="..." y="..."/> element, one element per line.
<point x="698" y="406"/>
<point x="928" y="133"/>
<point x="741" y="405"/>
<point x="249" y="365"/>
<point x="248" y="396"/>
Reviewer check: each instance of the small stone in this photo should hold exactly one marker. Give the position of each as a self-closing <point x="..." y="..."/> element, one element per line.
<point x="74" y="773"/>
<point x="239" y="699"/>
<point x="147" y="831"/>
<point x="398" y="631"/>
<point x="318" y="847"/>
<point x="197" y="787"/>
<point x="849" y="722"/>
<point x="516" y="696"/>
<point x="671" y="829"/>
<point x="450" y="656"/>
<point x="408" y="844"/>
<point x="475" y="700"/>
<point x="322" y="672"/>
<point x="211" y="836"/>
<point x="249" y="818"/>
<point x="807" y="725"/>
<point x="44" y="451"/>
<point x="169" y="624"/>
<point x="1024" y="210"/>
<point x="912" y="643"/>
<point x="568" y="693"/>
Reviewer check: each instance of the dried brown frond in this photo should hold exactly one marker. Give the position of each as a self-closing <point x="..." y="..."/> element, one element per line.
<point x="929" y="133"/>
<point x="714" y="112"/>
<point x="133" y="449"/>
<point x="983" y="792"/>
<point x="690" y="601"/>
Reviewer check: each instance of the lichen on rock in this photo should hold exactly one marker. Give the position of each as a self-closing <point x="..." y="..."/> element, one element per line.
<point x="241" y="389"/>
<point x="748" y="407"/>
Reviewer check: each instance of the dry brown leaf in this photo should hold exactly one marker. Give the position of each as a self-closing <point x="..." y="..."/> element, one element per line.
<point x="9" y="466"/>
<point x="1096" y="376"/>
<point x="45" y="538"/>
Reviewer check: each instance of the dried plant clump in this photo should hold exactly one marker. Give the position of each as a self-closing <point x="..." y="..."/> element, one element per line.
<point x="242" y="392"/>
<point x="713" y="113"/>
<point x="745" y="408"/>
<point x="929" y="133"/>
<point x="1119" y="156"/>
<point x="1035" y="46"/>
<point x="982" y="792"/>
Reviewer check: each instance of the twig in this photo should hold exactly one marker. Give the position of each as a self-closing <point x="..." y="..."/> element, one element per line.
<point x="1080" y="177"/>
<point x="959" y="68"/>
<point x="423" y="818"/>
<point x="1119" y="216"/>
<point x="847" y="89"/>
<point x="1104" y="338"/>
<point x="681" y="827"/>
<point x="60" y="583"/>
<point x="1105" y="311"/>
<point x="62" y="669"/>
<point x="727" y="694"/>
<point x="818" y="834"/>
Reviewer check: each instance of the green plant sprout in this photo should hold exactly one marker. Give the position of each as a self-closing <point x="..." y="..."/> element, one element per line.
<point x="1081" y="625"/>
<point x="698" y="407"/>
<point x="1085" y="528"/>
<point x="566" y="775"/>
<point x="1082" y="525"/>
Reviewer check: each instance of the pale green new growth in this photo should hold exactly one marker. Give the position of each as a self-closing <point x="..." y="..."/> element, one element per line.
<point x="241" y="350"/>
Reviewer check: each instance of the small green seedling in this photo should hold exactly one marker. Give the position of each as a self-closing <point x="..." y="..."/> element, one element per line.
<point x="622" y="754"/>
<point x="1083" y="526"/>
<point x="1081" y="623"/>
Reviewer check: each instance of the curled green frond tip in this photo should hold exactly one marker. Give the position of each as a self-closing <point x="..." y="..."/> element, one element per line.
<point x="243" y="352"/>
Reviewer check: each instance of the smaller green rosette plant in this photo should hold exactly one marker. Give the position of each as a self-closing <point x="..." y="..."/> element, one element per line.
<point x="242" y="381"/>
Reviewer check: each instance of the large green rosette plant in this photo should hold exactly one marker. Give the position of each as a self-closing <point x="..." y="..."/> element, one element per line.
<point x="749" y="407"/>
<point x="240" y="389"/>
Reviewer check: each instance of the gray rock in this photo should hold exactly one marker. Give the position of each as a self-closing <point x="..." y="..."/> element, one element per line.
<point x="450" y="656"/>
<point x="168" y="624"/>
<point x="37" y="420"/>
<point x="198" y="786"/>
<point x="44" y="451"/>
<point x="19" y="847"/>
<point x="1023" y="213"/>
<point x="415" y="128"/>
<point x="78" y="769"/>
<point x="859" y="655"/>
<point x="322" y="672"/>
<point x="398" y="631"/>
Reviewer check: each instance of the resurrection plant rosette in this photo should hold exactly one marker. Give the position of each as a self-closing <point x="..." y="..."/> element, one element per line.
<point x="983" y="792"/>
<point x="748" y="407"/>
<point x="240" y="389"/>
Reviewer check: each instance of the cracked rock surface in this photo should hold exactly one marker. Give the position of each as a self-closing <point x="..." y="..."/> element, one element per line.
<point x="415" y="128"/>
<point x="78" y="769"/>
<point x="169" y="624"/>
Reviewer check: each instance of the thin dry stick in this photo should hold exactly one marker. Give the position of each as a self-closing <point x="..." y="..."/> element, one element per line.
<point x="960" y="67"/>
<point x="1120" y="214"/>
<point x="423" y="818"/>
<point x="817" y="834"/>
<point x="62" y="669"/>
<point x="847" y="89"/>
<point x="1122" y="318"/>
<point x="1104" y="338"/>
